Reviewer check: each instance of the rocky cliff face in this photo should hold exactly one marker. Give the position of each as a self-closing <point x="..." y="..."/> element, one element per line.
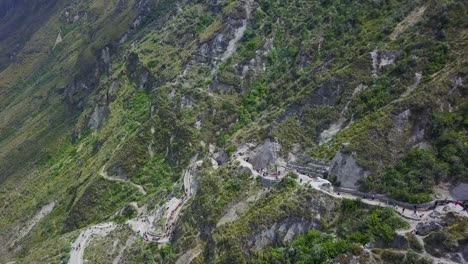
<point x="121" y="111"/>
<point x="346" y="171"/>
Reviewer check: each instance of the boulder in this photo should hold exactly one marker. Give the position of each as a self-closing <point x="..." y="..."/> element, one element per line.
<point x="221" y="157"/>
<point x="265" y="156"/>
<point x="346" y="170"/>
<point x="424" y="229"/>
<point x="460" y="192"/>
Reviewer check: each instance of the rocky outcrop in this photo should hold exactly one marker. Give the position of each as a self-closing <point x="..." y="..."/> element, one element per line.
<point x="346" y="170"/>
<point x="140" y="74"/>
<point x="460" y="192"/>
<point x="97" y="117"/>
<point x="439" y="244"/>
<point x="424" y="229"/>
<point x="383" y="59"/>
<point x="265" y="155"/>
<point x="79" y="89"/>
<point x="105" y="59"/>
<point x="282" y="232"/>
<point x="221" y="157"/>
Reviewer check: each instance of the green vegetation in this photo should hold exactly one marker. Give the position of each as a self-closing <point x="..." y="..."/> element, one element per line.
<point x="412" y="178"/>
<point x="98" y="202"/>
<point x="319" y="247"/>
<point x="315" y="247"/>
<point x="300" y="67"/>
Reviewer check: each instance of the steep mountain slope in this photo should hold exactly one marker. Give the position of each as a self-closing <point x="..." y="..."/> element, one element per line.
<point x="187" y="123"/>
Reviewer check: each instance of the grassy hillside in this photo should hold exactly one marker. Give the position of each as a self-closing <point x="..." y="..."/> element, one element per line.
<point x="106" y="104"/>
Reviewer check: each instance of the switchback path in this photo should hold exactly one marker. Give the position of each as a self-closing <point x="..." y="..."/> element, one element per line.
<point x="77" y="252"/>
<point x="103" y="173"/>
<point x="143" y="225"/>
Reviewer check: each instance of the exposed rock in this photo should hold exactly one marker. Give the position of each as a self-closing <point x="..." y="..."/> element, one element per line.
<point x="105" y="59"/>
<point x="327" y="94"/>
<point x="409" y="129"/>
<point x="232" y="46"/>
<point x="221" y="87"/>
<point x="58" y="40"/>
<point x="329" y="133"/>
<point x="232" y="214"/>
<point x="457" y="258"/>
<point x="460" y="192"/>
<point x="269" y="183"/>
<point x="97" y="117"/>
<point x="304" y="59"/>
<point x="186" y="101"/>
<point x="464" y="252"/>
<point x="424" y="229"/>
<point x="358" y="90"/>
<point x="265" y="156"/>
<point x="382" y="59"/>
<point x="43" y="212"/>
<point x="140" y="74"/>
<point x="198" y="125"/>
<point x="222" y="45"/>
<point x="221" y="157"/>
<point x="79" y="89"/>
<point x="190" y="255"/>
<point x="347" y="171"/>
<point x="282" y="232"/>
<point x="439" y="244"/>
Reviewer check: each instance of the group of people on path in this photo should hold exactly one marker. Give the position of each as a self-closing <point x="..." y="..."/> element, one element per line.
<point x="463" y="204"/>
<point x="77" y="248"/>
<point x="169" y="226"/>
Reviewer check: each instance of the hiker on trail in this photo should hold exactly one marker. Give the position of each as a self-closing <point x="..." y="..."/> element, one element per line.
<point x="373" y="197"/>
<point x="414" y="209"/>
<point x="403" y="210"/>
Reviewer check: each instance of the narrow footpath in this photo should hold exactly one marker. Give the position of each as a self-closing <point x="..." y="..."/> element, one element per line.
<point x="325" y="186"/>
<point x="143" y="225"/>
<point x="103" y="173"/>
<point x="77" y="251"/>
